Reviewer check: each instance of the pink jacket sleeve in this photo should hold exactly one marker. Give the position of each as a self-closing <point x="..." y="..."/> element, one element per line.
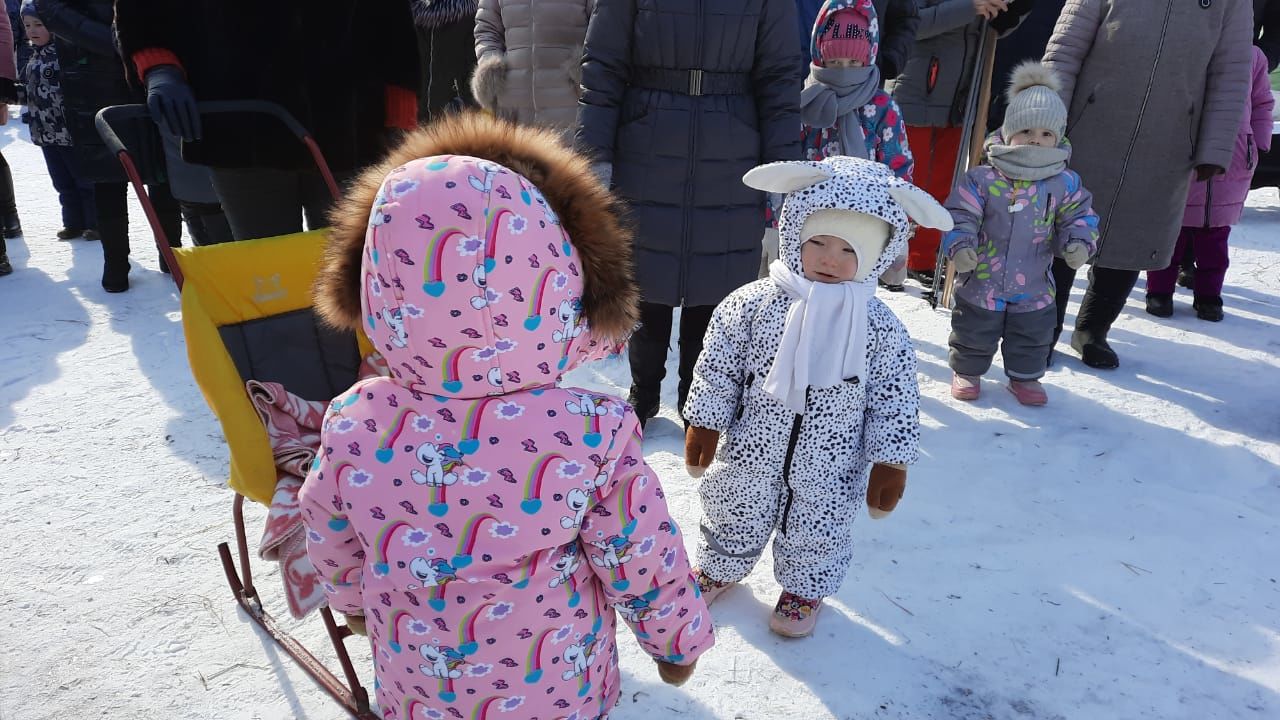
<point x="648" y="551"/>
<point x="8" y="64"/>
<point x="1262" y="102"/>
<point x="332" y="544"/>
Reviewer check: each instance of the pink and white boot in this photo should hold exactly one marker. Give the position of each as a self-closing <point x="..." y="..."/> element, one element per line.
<point x="794" y="616"/>
<point x="1028" y="392"/>
<point x="965" y="387"/>
<point x="710" y="587"/>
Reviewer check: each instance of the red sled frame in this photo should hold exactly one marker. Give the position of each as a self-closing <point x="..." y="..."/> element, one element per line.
<point x="351" y="694"/>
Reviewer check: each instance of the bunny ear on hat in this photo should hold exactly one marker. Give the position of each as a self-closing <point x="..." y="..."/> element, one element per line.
<point x="786" y="177"/>
<point x="920" y="206"/>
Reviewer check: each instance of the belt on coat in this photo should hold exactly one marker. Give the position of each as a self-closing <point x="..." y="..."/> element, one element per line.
<point x="692" y="82"/>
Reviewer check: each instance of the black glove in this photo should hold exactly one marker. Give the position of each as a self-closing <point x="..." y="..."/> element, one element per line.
<point x="172" y="105"/>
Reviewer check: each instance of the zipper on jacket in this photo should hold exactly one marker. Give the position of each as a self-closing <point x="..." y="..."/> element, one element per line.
<point x="1248" y="153"/>
<point x="786" y="464"/>
<point x="1208" y="200"/>
<point x="691" y="168"/>
<point x="742" y="402"/>
<point x="1048" y="208"/>
<point x="1142" y="110"/>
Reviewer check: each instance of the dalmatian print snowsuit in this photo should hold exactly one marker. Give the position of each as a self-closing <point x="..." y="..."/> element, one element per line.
<point x="804" y="476"/>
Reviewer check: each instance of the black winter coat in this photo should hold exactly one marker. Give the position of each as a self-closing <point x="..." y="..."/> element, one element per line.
<point x="93" y="78"/>
<point x="328" y="62"/>
<point x="678" y="158"/>
<point x="1266" y="30"/>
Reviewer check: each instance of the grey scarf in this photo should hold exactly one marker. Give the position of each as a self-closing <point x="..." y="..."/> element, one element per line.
<point x="836" y="95"/>
<point x="1027" y="162"/>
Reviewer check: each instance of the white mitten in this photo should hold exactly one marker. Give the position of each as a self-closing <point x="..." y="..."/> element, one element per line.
<point x="965" y="260"/>
<point x="1076" y="255"/>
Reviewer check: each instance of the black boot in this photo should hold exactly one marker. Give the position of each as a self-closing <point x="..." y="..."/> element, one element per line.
<point x="1160" y="304"/>
<point x="5" y="267"/>
<point x="1094" y="320"/>
<point x="115" y="253"/>
<point x="10" y="227"/>
<point x="1208" y="308"/>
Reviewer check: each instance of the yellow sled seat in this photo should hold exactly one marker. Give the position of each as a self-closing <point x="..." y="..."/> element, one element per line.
<point x="246" y="313"/>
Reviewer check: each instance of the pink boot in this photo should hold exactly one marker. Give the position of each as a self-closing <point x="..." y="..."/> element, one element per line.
<point x="794" y="616"/>
<point x="1029" y="392"/>
<point x="710" y="587"/>
<point x="965" y="387"/>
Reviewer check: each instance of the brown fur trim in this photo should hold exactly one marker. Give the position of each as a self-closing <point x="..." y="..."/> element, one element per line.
<point x="592" y="217"/>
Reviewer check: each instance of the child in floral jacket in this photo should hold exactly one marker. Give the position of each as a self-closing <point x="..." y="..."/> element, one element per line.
<point x="1012" y="216"/>
<point x="484" y="521"/>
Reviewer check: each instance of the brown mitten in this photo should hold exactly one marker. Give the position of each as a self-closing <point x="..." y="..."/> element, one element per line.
<point x="885" y="489"/>
<point x="675" y="674"/>
<point x="699" y="449"/>
<point x="356" y="623"/>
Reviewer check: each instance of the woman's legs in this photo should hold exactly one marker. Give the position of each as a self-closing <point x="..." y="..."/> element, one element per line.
<point x="1103" y="302"/>
<point x="648" y="354"/>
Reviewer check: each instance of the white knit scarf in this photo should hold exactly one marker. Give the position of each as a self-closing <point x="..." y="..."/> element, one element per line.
<point x="824" y="340"/>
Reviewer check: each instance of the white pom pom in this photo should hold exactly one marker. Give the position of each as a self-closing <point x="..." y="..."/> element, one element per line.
<point x="1030" y="74"/>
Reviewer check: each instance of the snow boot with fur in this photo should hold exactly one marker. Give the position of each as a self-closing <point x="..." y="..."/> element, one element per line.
<point x="794" y="616"/>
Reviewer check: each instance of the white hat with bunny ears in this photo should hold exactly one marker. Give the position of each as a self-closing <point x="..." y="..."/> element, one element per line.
<point x="850" y="184"/>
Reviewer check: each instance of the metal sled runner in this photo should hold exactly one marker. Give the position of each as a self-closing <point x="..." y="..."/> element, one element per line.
<point x="246" y="314"/>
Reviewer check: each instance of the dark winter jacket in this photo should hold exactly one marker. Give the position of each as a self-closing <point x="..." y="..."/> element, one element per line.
<point x="446" y="49"/>
<point x="934" y="84"/>
<point x="344" y="70"/>
<point x="43" y="83"/>
<point x="1266" y="30"/>
<point x="93" y="78"/>
<point x="679" y="158"/>
<point x="898" y="25"/>
<point x="1026" y="44"/>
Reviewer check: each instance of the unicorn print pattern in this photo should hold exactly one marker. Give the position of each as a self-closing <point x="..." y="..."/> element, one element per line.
<point x="485" y="520"/>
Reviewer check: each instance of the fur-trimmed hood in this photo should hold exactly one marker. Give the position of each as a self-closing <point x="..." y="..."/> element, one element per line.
<point x="480" y="257"/>
<point x="437" y="13"/>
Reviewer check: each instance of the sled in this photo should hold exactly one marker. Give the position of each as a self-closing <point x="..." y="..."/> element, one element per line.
<point x="246" y="313"/>
<point x="974" y="132"/>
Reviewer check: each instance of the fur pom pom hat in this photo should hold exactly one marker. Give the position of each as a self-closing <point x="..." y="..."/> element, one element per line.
<point x="1034" y="102"/>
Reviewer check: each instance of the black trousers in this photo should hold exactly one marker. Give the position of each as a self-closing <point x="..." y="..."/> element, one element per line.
<point x="1104" y="298"/>
<point x="8" y="207"/>
<point x="113" y="218"/>
<point x="447" y="57"/>
<point x="266" y="202"/>
<point x="648" y="349"/>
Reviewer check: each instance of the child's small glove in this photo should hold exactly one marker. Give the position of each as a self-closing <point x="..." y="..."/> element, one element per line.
<point x="965" y="260"/>
<point x="356" y="623"/>
<point x="675" y="674"/>
<point x="1076" y="255"/>
<point x="885" y="489"/>
<point x="699" y="449"/>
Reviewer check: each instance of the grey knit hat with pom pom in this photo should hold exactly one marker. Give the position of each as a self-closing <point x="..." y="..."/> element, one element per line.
<point x="1034" y="102"/>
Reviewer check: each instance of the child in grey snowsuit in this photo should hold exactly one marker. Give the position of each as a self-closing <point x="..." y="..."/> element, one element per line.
<point x="812" y="381"/>
<point x="1012" y="216"/>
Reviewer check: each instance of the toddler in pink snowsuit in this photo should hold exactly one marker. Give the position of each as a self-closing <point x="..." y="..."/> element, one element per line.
<point x="486" y="521"/>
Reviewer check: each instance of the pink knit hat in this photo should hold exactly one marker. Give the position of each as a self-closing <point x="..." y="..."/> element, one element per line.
<point x="846" y="37"/>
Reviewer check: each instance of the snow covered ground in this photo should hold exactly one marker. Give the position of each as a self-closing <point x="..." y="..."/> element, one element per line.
<point x="1112" y="555"/>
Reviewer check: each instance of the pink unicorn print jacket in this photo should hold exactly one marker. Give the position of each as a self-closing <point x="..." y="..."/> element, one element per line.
<point x="488" y="522"/>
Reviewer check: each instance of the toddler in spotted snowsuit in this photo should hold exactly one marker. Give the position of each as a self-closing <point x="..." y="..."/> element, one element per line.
<point x="812" y="381"/>
<point x="1012" y="215"/>
<point x="483" y="521"/>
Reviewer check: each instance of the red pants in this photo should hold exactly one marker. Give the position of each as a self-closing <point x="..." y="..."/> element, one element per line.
<point x="935" y="150"/>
